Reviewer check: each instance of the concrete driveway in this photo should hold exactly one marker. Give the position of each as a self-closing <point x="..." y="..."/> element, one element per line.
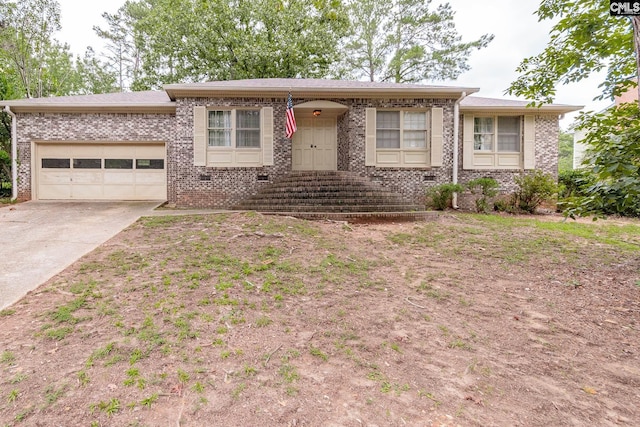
<point x="40" y="239"/>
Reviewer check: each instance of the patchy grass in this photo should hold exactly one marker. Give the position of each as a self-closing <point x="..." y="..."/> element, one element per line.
<point x="244" y="318"/>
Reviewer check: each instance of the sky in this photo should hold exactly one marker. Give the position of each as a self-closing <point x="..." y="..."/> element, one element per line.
<point x="518" y="35"/>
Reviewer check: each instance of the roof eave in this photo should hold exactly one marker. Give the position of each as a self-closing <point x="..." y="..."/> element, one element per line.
<point x="546" y="109"/>
<point x="26" y="107"/>
<point x="200" y="91"/>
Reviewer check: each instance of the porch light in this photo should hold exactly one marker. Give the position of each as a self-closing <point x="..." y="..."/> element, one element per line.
<point x="316" y="113"/>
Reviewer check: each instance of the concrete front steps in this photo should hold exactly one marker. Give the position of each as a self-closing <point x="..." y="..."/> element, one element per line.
<point x="334" y="194"/>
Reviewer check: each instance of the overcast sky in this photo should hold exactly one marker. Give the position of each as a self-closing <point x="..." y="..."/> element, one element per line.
<point x="518" y="34"/>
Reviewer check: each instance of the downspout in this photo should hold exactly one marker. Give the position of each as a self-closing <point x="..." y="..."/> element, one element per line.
<point x="14" y="153"/>
<point x="456" y="145"/>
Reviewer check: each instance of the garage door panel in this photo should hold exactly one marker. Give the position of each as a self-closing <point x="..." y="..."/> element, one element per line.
<point x="55" y="176"/>
<point x="96" y="151"/>
<point x="87" y="192"/>
<point x="89" y="176"/>
<point x="119" y="192"/>
<point x="119" y="177"/>
<point x="150" y="177"/>
<point x="58" y="192"/>
<point x="155" y="192"/>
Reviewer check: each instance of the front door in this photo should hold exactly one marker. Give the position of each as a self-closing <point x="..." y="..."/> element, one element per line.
<point x="314" y="146"/>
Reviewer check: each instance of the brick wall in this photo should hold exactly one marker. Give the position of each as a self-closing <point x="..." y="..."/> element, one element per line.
<point x="192" y="186"/>
<point x="546" y="137"/>
<point x="546" y="153"/>
<point x="226" y="187"/>
<point x="67" y="127"/>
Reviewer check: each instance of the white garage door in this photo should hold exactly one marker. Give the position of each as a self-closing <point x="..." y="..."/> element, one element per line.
<point x="101" y="172"/>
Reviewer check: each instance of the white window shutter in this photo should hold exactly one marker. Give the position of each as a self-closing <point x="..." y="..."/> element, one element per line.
<point x="529" y="145"/>
<point x="199" y="136"/>
<point x="370" y="137"/>
<point x="267" y="136"/>
<point x="467" y="142"/>
<point x="437" y="128"/>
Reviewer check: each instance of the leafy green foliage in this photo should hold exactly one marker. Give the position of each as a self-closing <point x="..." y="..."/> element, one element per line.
<point x="484" y="189"/>
<point x="440" y="196"/>
<point x="565" y="152"/>
<point x="405" y="41"/>
<point x="613" y="157"/>
<point x="584" y="40"/>
<point x="574" y="183"/>
<point x="156" y="42"/>
<point x="36" y="63"/>
<point x="533" y="189"/>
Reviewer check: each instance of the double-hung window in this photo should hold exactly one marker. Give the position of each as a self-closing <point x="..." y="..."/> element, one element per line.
<point x="234" y="128"/>
<point x="497" y="134"/>
<point x="497" y="142"/>
<point x="232" y="137"/>
<point x="401" y="138"/>
<point x="401" y="130"/>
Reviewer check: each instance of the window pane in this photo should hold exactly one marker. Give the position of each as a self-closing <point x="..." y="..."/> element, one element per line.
<point x="415" y="121"/>
<point x="388" y="120"/>
<point x="388" y="139"/>
<point x="220" y="138"/>
<point x="248" y="138"/>
<point x="509" y="134"/>
<point x="248" y="119"/>
<point x="118" y="163"/>
<point x="248" y="128"/>
<point x="508" y="143"/>
<point x="483" y="142"/>
<point x="483" y="125"/>
<point x="150" y="164"/>
<point x="87" y="163"/>
<point x="56" y="163"/>
<point x="220" y="119"/>
<point x="483" y="133"/>
<point x="415" y="139"/>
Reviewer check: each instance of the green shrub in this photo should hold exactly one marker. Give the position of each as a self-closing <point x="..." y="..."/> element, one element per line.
<point x="484" y="189"/>
<point x="441" y="195"/>
<point x="574" y="183"/>
<point x="533" y="189"/>
<point x="504" y="205"/>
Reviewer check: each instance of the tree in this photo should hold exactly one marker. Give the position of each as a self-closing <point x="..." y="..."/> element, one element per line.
<point x="565" y="151"/>
<point x="405" y="41"/>
<point x="93" y="77"/>
<point x="613" y="156"/>
<point x="40" y="65"/>
<point x="585" y="40"/>
<point x="122" y="55"/>
<point x="26" y="33"/>
<point x="33" y="64"/>
<point x="196" y="40"/>
<point x="7" y="91"/>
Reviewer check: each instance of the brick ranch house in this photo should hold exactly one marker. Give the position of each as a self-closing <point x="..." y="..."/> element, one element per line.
<point x="217" y="144"/>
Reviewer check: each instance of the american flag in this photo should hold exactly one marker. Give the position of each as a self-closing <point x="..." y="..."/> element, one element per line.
<point x="291" y="127"/>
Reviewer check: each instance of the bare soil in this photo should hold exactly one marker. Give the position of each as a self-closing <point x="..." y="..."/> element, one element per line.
<point x="247" y="320"/>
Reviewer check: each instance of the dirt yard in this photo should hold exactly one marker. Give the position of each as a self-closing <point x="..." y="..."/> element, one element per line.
<point x="247" y="320"/>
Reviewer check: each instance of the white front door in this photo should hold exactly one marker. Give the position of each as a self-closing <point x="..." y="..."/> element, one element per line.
<point x="314" y="145"/>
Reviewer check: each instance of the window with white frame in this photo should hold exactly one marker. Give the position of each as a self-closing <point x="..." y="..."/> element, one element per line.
<point x="401" y="130"/>
<point x="497" y="134"/>
<point x="234" y="128"/>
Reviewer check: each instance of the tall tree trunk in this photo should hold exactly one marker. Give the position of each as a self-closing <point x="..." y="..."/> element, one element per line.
<point x="635" y="20"/>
